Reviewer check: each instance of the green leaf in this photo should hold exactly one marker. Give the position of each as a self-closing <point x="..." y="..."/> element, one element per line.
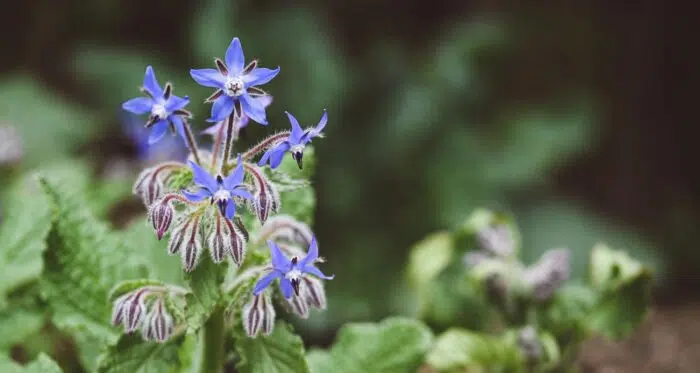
<point x="83" y="262"/>
<point x="7" y="364"/>
<point x="42" y="364"/>
<point x="396" y="345"/>
<point x="49" y="126"/>
<point x="428" y="258"/>
<point x="459" y="350"/>
<point x="163" y="267"/>
<point x="280" y="352"/>
<point x="625" y="287"/>
<point x="301" y="202"/>
<point x="134" y="355"/>
<point x="566" y="313"/>
<point x="22" y="236"/>
<point x="205" y="285"/>
<point x="17" y="323"/>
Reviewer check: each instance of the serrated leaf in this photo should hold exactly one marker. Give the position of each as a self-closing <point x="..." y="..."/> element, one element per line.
<point x="49" y="126"/>
<point x="205" y="285"/>
<point x="280" y="352"/>
<point x="396" y="345"/>
<point x="83" y="263"/>
<point x="134" y="355"/>
<point x="460" y="350"/>
<point x="22" y="235"/>
<point x="42" y="364"/>
<point x="126" y="286"/>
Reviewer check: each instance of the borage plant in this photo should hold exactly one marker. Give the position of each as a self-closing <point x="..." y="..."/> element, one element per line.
<point x="219" y="206"/>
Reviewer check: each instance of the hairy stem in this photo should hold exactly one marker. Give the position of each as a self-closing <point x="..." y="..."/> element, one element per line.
<point x="228" y="143"/>
<point x="211" y="341"/>
<point x="217" y="146"/>
<point x="260" y="147"/>
<point x="191" y="144"/>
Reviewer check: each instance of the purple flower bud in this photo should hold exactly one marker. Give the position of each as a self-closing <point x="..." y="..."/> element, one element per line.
<point x="193" y="247"/>
<point x="134" y="310"/>
<point x="266" y="199"/>
<point x="314" y="292"/>
<point x="287" y="228"/>
<point x="148" y="186"/>
<point x="548" y="274"/>
<point x="298" y="305"/>
<point x="158" y="325"/>
<point x="258" y="313"/>
<point x="497" y="240"/>
<point x="161" y="215"/>
<point x="529" y="343"/>
<point x="178" y="236"/>
<point x="118" y="309"/>
<point x="232" y="240"/>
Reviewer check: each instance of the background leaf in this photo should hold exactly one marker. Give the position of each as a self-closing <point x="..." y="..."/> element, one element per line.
<point x="280" y="352"/>
<point x="134" y="355"/>
<point x="205" y="285"/>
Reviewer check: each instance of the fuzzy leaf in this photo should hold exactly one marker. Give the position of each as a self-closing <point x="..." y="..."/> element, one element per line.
<point x="395" y="345"/>
<point x="83" y="263"/>
<point x="460" y="350"/>
<point x="22" y="235"/>
<point x="280" y="352"/>
<point x="134" y="355"/>
<point x="205" y="283"/>
<point x="7" y="364"/>
<point x="17" y="323"/>
<point x="42" y="364"/>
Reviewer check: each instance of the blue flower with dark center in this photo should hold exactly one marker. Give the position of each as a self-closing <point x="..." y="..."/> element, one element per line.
<point x="265" y="100"/>
<point x="166" y="110"/>
<point x="290" y="272"/>
<point x="236" y="85"/>
<point x="295" y="143"/>
<point x="218" y="189"/>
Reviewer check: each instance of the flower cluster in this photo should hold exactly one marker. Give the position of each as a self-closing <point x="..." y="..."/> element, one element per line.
<point x="146" y="308"/>
<point x="202" y="204"/>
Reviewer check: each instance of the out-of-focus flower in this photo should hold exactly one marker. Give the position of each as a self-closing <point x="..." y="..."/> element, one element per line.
<point x="167" y="149"/>
<point x="549" y="273"/>
<point x="164" y="108"/>
<point x="218" y="189"/>
<point x="290" y="272"/>
<point x="265" y="100"/>
<point x="10" y="145"/>
<point x="236" y="85"/>
<point x="294" y="143"/>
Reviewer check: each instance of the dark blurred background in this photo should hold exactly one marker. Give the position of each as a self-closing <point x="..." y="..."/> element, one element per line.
<point x="559" y="112"/>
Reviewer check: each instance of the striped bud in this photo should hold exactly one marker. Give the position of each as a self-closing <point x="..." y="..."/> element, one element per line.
<point x="298" y="305"/>
<point x="118" y="309"/>
<point x="235" y="241"/>
<point x="177" y="237"/>
<point x="193" y="246"/>
<point x="497" y="240"/>
<point x="133" y="311"/>
<point x="266" y="198"/>
<point x="161" y="215"/>
<point x="217" y="241"/>
<point x="314" y="292"/>
<point x="287" y="228"/>
<point x="548" y="274"/>
<point x="148" y="186"/>
<point x="158" y="325"/>
<point x="258" y="314"/>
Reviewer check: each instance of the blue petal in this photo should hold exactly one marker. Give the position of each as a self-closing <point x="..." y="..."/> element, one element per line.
<point x="151" y="84"/>
<point x="286" y="287"/>
<point x="265" y="100"/>
<point x="316" y="130"/>
<point x="297" y="132"/>
<point x="279" y="261"/>
<point x="241" y="192"/>
<point x="179" y="126"/>
<point x="158" y="131"/>
<point x="311" y="269"/>
<point x="260" y="76"/>
<point x="213" y="130"/>
<point x="230" y="209"/>
<point x="236" y="177"/>
<point x="235" y="60"/>
<point x="312" y="255"/>
<point x="222" y="108"/>
<point x="253" y="108"/>
<point x="203" y="178"/>
<point x="264" y="282"/>
<point x="278" y="155"/>
<point x="208" y="77"/>
<point x="176" y="103"/>
<point x="138" y="105"/>
<point x="197" y="196"/>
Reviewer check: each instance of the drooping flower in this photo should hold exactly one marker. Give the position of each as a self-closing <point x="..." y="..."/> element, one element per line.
<point x="164" y="108"/>
<point x="265" y="100"/>
<point x="290" y="272"/>
<point x="236" y="85"/>
<point x="165" y="150"/>
<point x="294" y="143"/>
<point x="219" y="189"/>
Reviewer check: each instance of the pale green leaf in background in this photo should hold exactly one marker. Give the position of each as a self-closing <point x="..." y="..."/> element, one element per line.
<point x="42" y="364"/>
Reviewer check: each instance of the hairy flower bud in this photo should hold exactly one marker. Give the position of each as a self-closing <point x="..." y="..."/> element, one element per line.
<point x="133" y="310"/>
<point x="314" y="292"/>
<point x="158" y="325"/>
<point x="298" y="304"/>
<point x="548" y="274"/>
<point x="148" y="186"/>
<point x="218" y="244"/>
<point x="186" y="240"/>
<point x="266" y="198"/>
<point x="259" y="314"/>
<point x="235" y="241"/>
<point x="497" y="240"/>
<point x="161" y="215"/>
<point x="177" y="238"/>
<point x="118" y="309"/>
<point x="529" y="343"/>
<point x="286" y="228"/>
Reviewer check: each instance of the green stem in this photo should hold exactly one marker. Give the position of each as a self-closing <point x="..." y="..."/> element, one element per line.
<point x="212" y="344"/>
<point x="228" y="142"/>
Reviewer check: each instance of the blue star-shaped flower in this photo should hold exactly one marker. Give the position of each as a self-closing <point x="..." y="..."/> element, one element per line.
<point x="218" y="189"/>
<point x="236" y="84"/>
<point x="165" y="150"/>
<point x="164" y="107"/>
<point x="295" y="143"/>
<point x="290" y="272"/>
<point x="265" y="100"/>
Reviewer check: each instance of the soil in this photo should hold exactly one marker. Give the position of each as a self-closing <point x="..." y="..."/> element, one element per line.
<point x="668" y="342"/>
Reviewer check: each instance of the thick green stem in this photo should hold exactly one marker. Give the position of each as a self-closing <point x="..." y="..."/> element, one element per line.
<point x="211" y="341"/>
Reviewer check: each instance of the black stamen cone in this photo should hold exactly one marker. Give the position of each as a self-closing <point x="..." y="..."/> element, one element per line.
<point x="298" y="156"/>
<point x="295" y="286"/>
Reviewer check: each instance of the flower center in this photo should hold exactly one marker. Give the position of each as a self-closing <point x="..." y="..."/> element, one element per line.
<point x="222" y="195"/>
<point x="159" y="111"/>
<point x="292" y="275"/>
<point x="234" y="86"/>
